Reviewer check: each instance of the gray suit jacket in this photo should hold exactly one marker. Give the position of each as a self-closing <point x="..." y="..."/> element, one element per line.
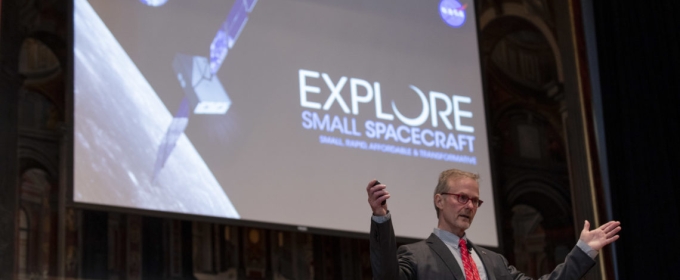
<point x="431" y="259"/>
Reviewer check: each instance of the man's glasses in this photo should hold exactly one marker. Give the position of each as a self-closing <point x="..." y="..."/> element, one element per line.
<point x="463" y="199"/>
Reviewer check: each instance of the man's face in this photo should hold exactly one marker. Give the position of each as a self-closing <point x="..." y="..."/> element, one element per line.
<point x="454" y="216"/>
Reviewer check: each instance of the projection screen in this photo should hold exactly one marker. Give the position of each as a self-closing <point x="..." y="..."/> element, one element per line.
<point x="279" y="111"/>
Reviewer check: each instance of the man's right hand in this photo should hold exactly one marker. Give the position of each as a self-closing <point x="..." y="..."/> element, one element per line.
<point x="376" y="195"/>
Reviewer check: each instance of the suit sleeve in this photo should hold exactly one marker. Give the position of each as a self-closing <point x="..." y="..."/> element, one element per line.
<point x="384" y="261"/>
<point x="575" y="265"/>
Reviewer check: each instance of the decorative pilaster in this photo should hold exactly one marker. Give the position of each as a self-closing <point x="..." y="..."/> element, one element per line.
<point x="583" y="164"/>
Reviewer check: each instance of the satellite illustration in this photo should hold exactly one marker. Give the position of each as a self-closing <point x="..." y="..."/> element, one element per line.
<point x="121" y="123"/>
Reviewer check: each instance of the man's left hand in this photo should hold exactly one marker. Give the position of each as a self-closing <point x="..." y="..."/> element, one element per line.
<point x="601" y="236"/>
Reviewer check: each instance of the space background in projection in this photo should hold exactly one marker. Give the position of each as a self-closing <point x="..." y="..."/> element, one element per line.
<point x="279" y="111"/>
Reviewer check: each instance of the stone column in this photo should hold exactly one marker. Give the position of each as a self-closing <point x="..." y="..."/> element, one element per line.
<point x="577" y="119"/>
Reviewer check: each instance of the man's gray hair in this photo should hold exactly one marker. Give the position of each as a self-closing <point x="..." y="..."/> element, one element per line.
<point x="442" y="185"/>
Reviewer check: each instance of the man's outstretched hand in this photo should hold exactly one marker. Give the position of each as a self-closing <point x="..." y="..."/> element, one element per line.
<point x="601" y="236"/>
<point x="376" y="195"/>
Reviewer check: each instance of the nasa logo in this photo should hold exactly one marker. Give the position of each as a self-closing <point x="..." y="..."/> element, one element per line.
<point x="452" y="12"/>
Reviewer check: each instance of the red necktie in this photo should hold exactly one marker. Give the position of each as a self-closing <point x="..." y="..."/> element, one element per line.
<point x="471" y="272"/>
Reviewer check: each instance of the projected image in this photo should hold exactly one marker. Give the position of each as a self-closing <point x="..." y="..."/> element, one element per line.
<point x="204" y="93"/>
<point x="119" y="119"/>
<point x="278" y="111"/>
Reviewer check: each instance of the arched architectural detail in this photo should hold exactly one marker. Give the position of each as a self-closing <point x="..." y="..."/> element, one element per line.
<point x="539" y="249"/>
<point x="515" y="122"/>
<point x="515" y="17"/>
<point x="35" y="190"/>
<point x="529" y="238"/>
<point x="513" y="106"/>
<point x="42" y="71"/>
<point x="31" y="158"/>
<point x="54" y="42"/>
<point x="523" y="68"/>
<point x="527" y="186"/>
<point x="40" y="111"/>
<point x="36" y="60"/>
<point x="36" y="179"/>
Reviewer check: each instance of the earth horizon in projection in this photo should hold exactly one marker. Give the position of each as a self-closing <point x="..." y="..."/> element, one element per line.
<point x="114" y="159"/>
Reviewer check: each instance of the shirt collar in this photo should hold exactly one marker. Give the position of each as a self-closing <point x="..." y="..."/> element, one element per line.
<point x="448" y="238"/>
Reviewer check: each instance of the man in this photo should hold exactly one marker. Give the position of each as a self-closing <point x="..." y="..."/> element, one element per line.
<point x="448" y="252"/>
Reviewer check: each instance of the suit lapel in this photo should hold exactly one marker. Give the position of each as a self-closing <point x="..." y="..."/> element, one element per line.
<point x="438" y="246"/>
<point x="486" y="260"/>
